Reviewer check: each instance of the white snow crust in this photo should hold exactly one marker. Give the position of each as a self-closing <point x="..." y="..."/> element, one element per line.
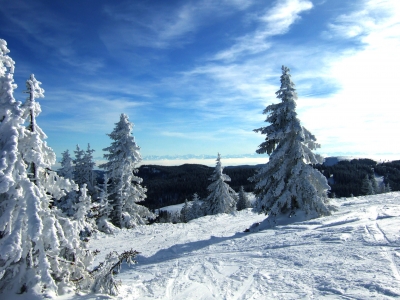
<point x="352" y="254"/>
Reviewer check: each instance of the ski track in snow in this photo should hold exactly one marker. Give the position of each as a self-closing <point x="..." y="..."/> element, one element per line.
<point x="352" y="254"/>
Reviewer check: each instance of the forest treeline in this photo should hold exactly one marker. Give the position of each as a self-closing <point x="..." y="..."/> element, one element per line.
<point x="346" y="177"/>
<point x="169" y="185"/>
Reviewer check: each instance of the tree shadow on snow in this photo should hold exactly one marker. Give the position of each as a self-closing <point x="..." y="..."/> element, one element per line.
<point x="283" y="221"/>
<point x="183" y="250"/>
<point x="93" y="297"/>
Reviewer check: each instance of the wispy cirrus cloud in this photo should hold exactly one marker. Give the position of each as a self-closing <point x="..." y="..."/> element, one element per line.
<point x="372" y="19"/>
<point x="51" y="35"/>
<point x="275" y="21"/>
<point x="164" y="26"/>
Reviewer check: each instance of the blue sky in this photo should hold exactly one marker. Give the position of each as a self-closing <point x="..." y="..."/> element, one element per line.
<point x="195" y="76"/>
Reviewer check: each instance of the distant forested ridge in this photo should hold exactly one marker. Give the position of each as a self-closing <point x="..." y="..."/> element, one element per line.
<point x="346" y="177"/>
<point x="391" y="172"/>
<point x="169" y="185"/>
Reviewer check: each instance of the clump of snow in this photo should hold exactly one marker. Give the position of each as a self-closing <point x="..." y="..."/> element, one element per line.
<point x="173" y="208"/>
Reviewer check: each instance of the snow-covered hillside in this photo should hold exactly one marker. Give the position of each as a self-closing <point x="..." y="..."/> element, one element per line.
<point x="353" y="254"/>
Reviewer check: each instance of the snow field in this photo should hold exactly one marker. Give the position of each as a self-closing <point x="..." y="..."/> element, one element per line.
<point x="352" y="254"/>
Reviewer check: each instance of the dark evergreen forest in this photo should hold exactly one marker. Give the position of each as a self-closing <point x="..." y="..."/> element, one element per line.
<point x="346" y="177"/>
<point x="169" y="185"/>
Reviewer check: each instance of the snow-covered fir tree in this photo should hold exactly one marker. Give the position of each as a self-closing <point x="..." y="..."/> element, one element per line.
<point x="221" y="198"/>
<point x="386" y="186"/>
<point x="125" y="186"/>
<point x="80" y="177"/>
<point x="104" y="207"/>
<point x="367" y="186"/>
<point x="83" y="213"/>
<point x="31" y="110"/>
<point x="196" y="209"/>
<point x="89" y="165"/>
<point x="67" y="168"/>
<point x="79" y="167"/>
<point x="185" y="211"/>
<point x="34" y="150"/>
<point x="243" y="201"/>
<point x="83" y="169"/>
<point x="67" y="203"/>
<point x="164" y="216"/>
<point x="383" y="186"/>
<point x="387" y="189"/>
<point x="374" y="183"/>
<point x="40" y="251"/>
<point x="288" y="182"/>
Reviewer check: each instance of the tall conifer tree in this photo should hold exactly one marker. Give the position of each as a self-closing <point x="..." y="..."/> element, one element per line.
<point x="196" y="209"/>
<point x="79" y="166"/>
<point x="243" y="201"/>
<point x="67" y="168"/>
<point x="125" y="187"/>
<point x="104" y="207"/>
<point x="89" y="173"/>
<point x="40" y="248"/>
<point x="288" y="182"/>
<point x="222" y="197"/>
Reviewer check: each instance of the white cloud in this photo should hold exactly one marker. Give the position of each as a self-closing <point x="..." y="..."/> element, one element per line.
<point x="245" y="82"/>
<point x="276" y="21"/>
<point x="363" y="116"/>
<point x="280" y="17"/>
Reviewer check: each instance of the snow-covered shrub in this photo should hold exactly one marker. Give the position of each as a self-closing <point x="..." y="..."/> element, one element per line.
<point x="103" y="275"/>
<point x="165" y="216"/>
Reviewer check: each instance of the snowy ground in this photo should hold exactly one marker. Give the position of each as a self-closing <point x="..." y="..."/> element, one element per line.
<point x="353" y="254"/>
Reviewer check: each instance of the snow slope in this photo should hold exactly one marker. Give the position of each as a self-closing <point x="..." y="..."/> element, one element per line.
<point x="353" y="254"/>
